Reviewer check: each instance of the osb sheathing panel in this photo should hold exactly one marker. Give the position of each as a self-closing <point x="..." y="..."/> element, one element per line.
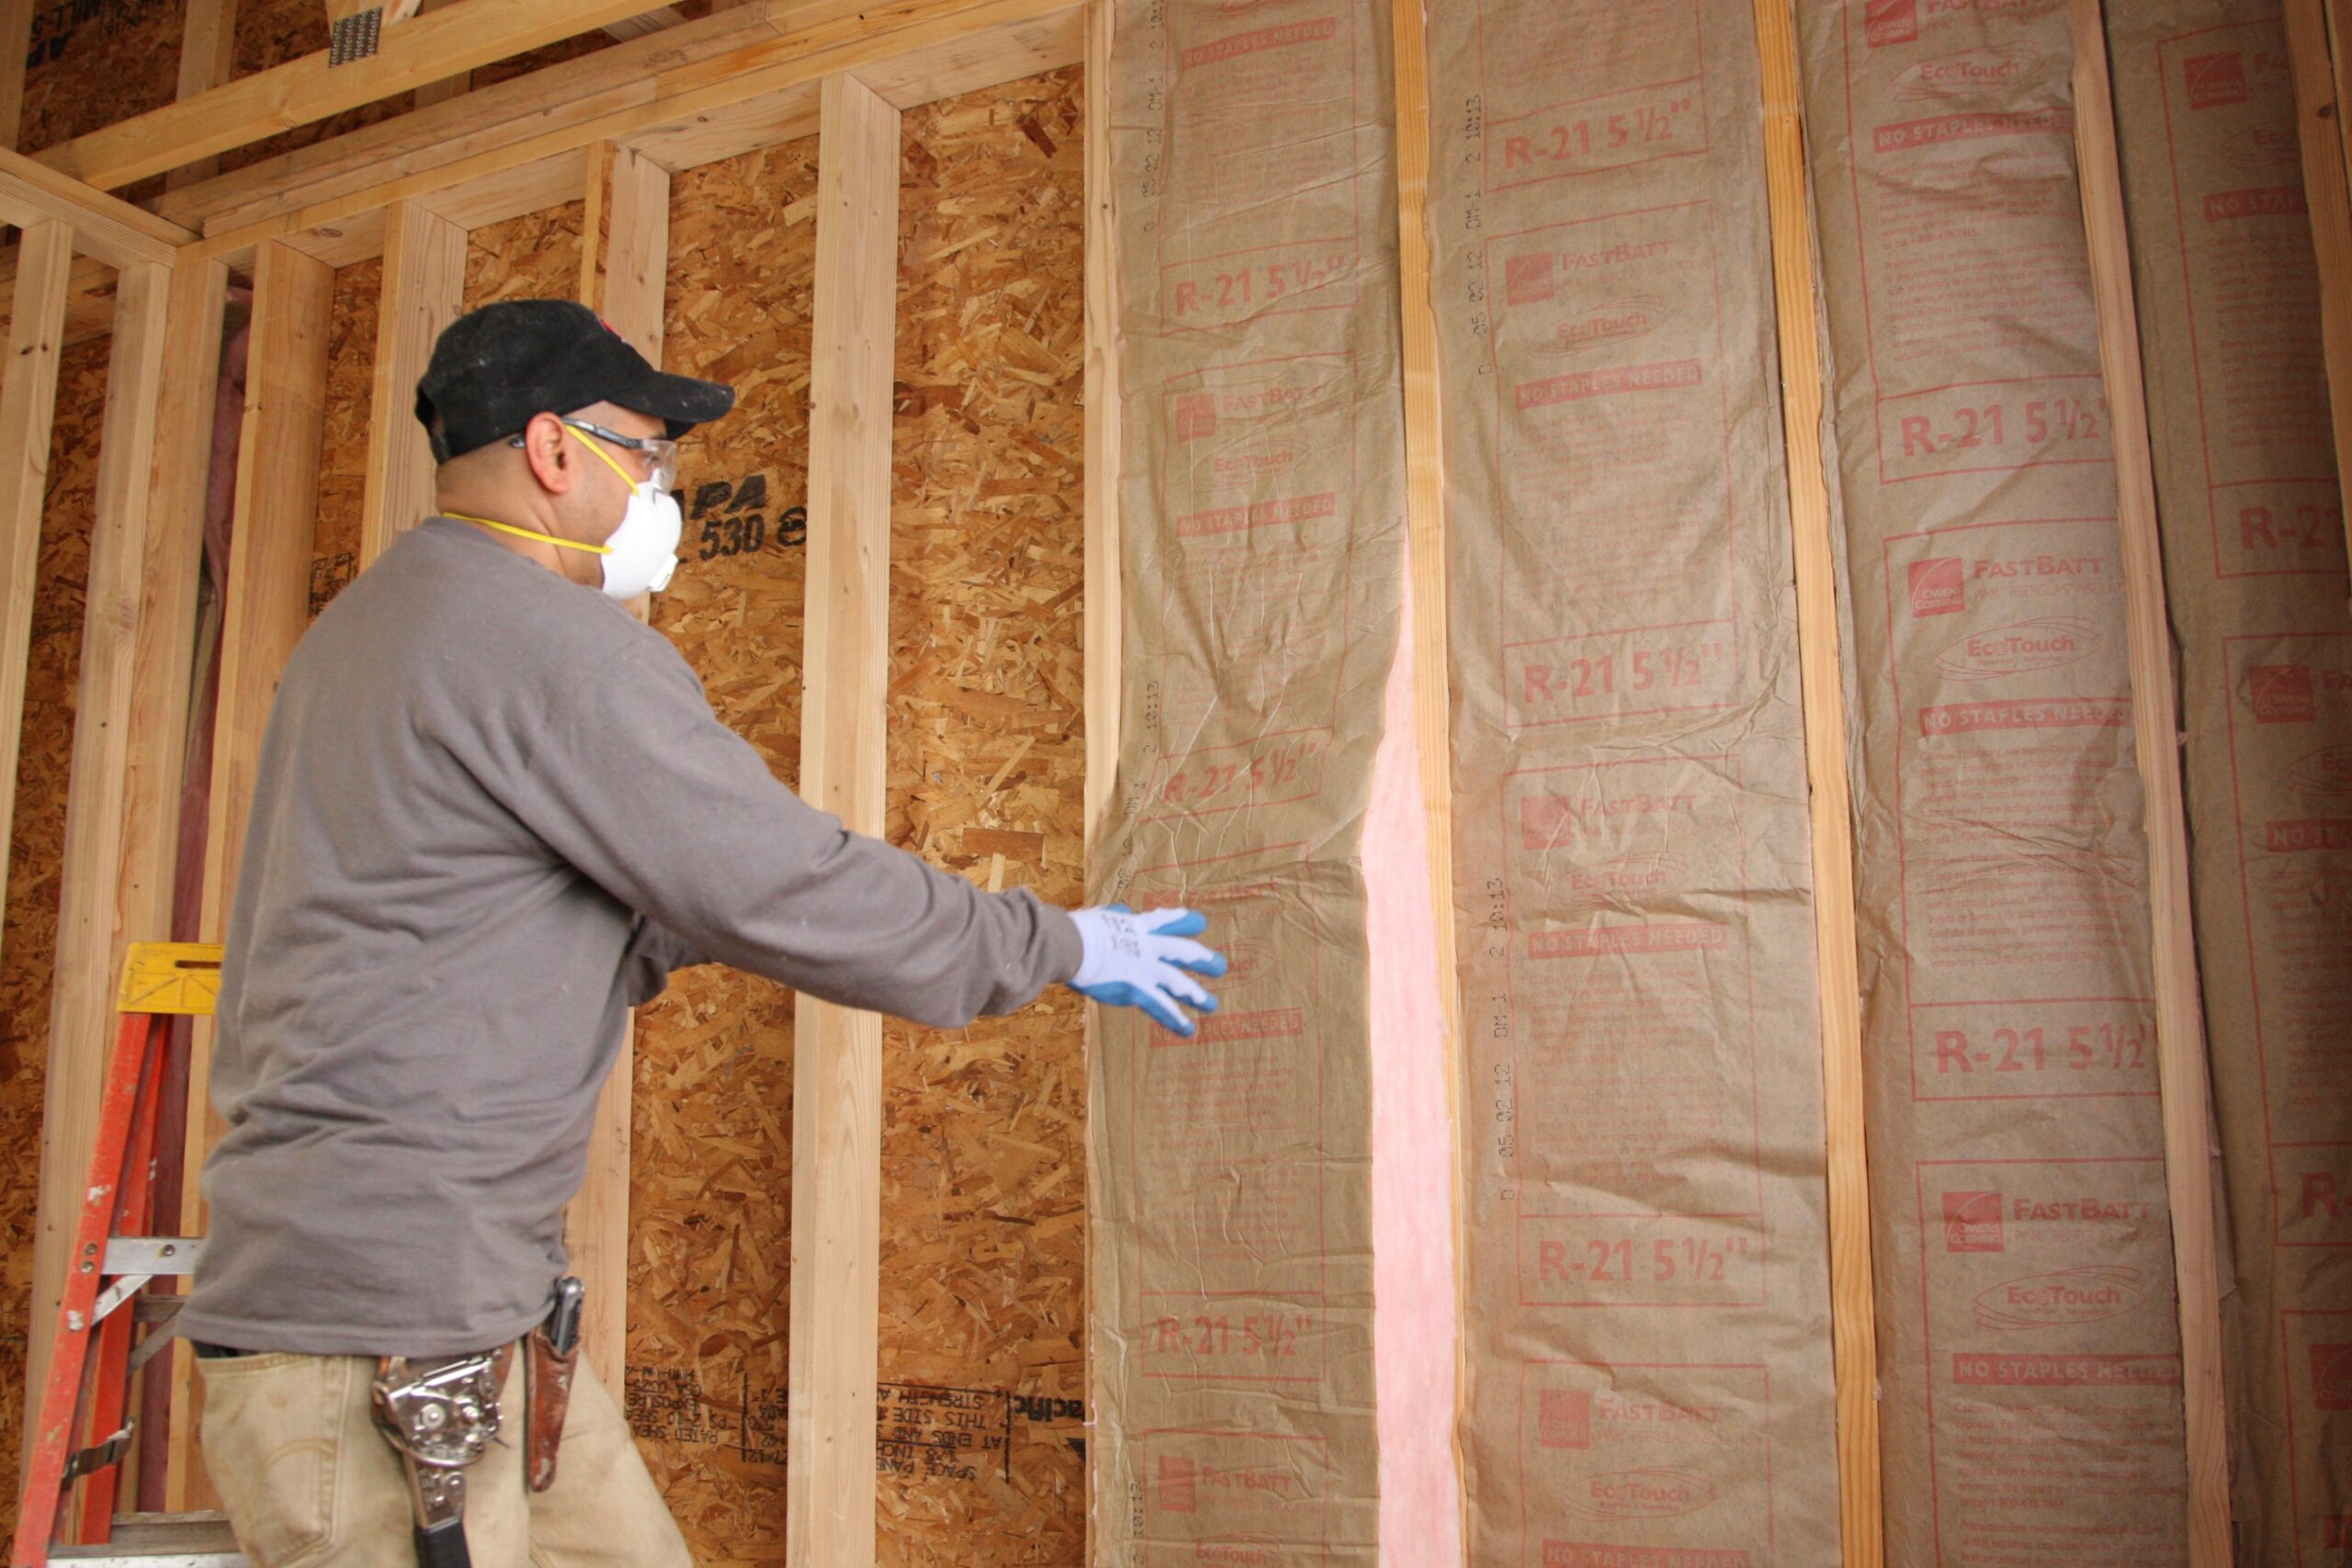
<point x="536" y="256"/>
<point x="28" y="944"/>
<point x="343" y="459"/>
<point x="711" y="1188"/>
<point x="96" y="61"/>
<point x="983" y="1188"/>
<point x="983" y="1172"/>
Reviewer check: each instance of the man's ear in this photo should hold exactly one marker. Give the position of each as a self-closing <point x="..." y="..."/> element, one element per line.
<point x="547" y="449"/>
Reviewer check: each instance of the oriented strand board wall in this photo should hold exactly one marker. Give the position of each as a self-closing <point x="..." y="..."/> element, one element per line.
<point x="710" y="1190"/>
<point x="983" y="1159"/>
<point x="2254" y="560"/>
<point x="2026" y="1315"/>
<point x="29" y="942"/>
<point x="984" y="1178"/>
<point x="343" y="464"/>
<point x="534" y="256"/>
<point x="96" y="61"/>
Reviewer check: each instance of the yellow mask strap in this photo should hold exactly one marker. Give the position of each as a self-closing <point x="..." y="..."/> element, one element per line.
<point x="610" y="462"/>
<point x="533" y="533"/>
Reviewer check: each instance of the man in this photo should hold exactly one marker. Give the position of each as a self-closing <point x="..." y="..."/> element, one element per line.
<point x="493" y="812"/>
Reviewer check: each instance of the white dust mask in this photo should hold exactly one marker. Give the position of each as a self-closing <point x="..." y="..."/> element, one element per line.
<point x="639" y="555"/>
<point x="643" y="552"/>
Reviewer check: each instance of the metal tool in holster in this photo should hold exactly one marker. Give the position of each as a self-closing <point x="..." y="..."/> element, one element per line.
<point x="439" y="1415"/>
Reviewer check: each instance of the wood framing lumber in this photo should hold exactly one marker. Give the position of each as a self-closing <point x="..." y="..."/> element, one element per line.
<point x="626" y="256"/>
<point x="164" y="652"/>
<point x="27" y="404"/>
<point x="642" y="26"/>
<point x="266" y="609"/>
<point x="2180" y="1021"/>
<point x="1104" y="574"/>
<point x="208" y="59"/>
<point x="1106" y="552"/>
<point x="16" y="42"/>
<point x="545" y="100"/>
<point x="89" y="295"/>
<point x="1852" y="1304"/>
<point x="837" y="1063"/>
<point x="111" y="230"/>
<point x="752" y="98"/>
<point x="99" y="911"/>
<point x="425" y="286"/>
<point x="624" y="264"/>
<point x="2315" y="51"/>
<point x="301" y="92"/>
<point x="1426" y="570"/>
<point x="1425" y="491"/>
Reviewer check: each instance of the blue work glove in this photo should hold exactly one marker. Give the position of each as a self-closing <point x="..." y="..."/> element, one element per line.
<point x="1146" y="961"/>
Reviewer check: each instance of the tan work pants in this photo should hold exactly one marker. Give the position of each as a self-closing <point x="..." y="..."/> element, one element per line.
<point x="308" y="1482"/>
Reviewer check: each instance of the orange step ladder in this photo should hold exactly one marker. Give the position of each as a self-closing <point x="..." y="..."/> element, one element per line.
<point x="115" y="1256"/>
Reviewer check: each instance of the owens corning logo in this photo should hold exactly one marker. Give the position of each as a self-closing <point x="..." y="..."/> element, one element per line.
<point x="1196" y="415"/>
<point x="1179" y="1481"/>
<point x="1527" y="280"/>
<point x="1890" y="21"/>
<point x="1972" y="1222"/>
<point x="1970" y="71"/>
<point x="2332" y="1377"/>
<point x="1563" y="1418"/>
<point x="2214" y="81"/>
<point x="1937" y="588"/>
<point x="2281" y="693"/>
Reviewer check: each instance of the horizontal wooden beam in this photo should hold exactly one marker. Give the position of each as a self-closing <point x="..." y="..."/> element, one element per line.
<point x="488" y="117"/>
<point x="113" y="231"/>
<point x="303" y="92"/>
<point x="750" y="97"/>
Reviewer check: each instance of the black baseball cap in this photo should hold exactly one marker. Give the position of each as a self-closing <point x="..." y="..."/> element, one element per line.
<point x="497" y="368"/>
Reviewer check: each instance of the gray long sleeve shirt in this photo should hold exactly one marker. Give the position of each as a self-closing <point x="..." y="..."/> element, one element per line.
<point x="493" y="811"/>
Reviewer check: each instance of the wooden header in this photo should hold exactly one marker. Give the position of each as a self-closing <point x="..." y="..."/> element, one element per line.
<point x="112" y="231"/>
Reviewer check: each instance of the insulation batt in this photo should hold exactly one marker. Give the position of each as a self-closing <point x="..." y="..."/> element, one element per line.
<point x="1647" y="1312"/>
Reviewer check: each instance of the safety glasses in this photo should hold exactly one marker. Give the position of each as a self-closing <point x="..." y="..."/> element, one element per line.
<point x="660" y="451"/>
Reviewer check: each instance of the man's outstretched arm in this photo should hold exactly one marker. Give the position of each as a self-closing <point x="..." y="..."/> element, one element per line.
<point x="636" y="783"/>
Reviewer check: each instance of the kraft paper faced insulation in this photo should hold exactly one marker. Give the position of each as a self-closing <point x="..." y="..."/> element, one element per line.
<point x="1240" y="1177"/>
<point x="1646" y="1312"/>
<point x="2255" y="565"/>
<point x="2028" y="1343"/>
